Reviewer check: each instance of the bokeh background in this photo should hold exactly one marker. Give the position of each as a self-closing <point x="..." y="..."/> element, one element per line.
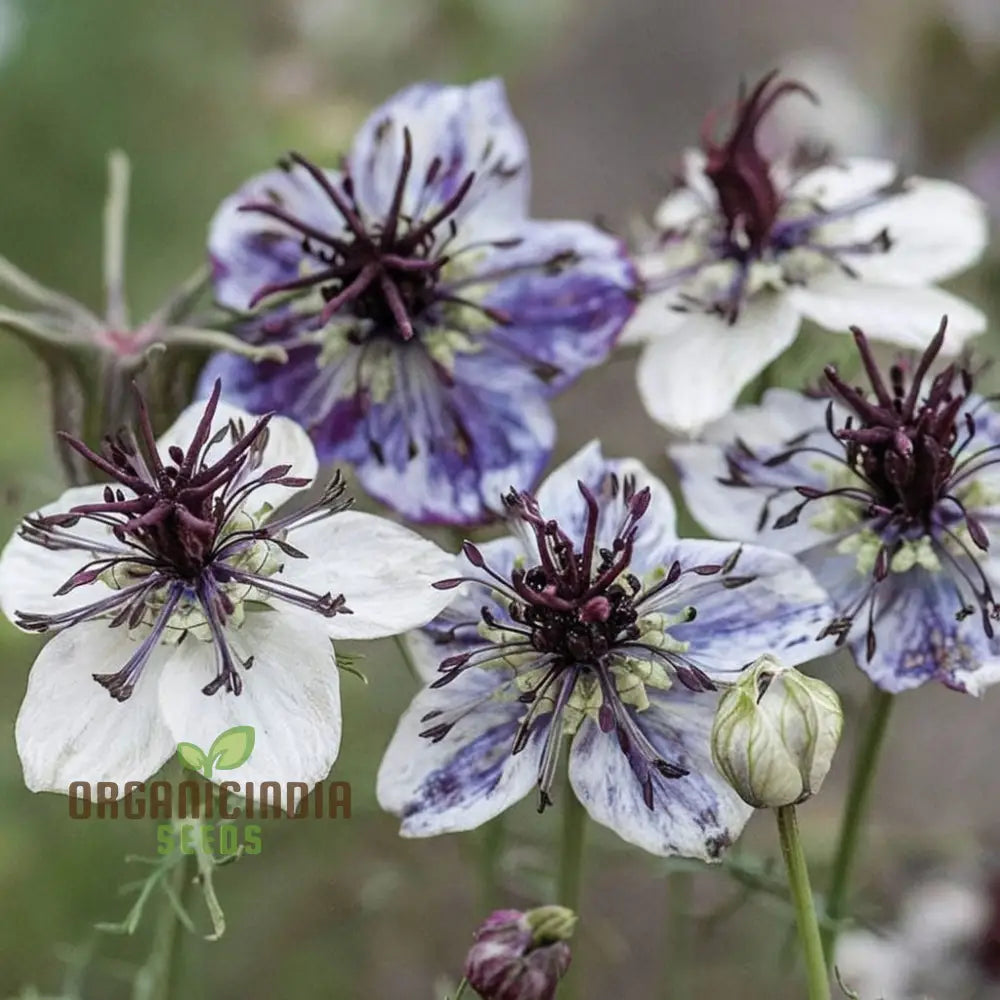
<point x="202" y="94"/>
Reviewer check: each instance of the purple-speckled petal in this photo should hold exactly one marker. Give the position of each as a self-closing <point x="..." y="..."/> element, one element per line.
<point x="919" y="638"/>
<point x="566" y="288"/>
<point x="697" y="816"/>
<point x="467" y="777"/>
<point x="469" y="130"/>
<point x="250" y="250"/>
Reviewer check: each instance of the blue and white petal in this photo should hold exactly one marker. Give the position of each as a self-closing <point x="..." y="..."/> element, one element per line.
<point x="440" y="638"/>
<point x="697" y="816"/>
<point x="735" y="512"/>
<point x="467" y="777"/>
<point x="565" y="288"/>
<point x="781" y="610"/>
<point x="470" y="130"/>
<point x="920" y="640"/>
<point x="447" y="453"/>
<point x="559" y="498"/>
<point x="250" y="250"/>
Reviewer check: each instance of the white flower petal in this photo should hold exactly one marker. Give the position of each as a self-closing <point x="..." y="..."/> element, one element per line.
<point x="693" y="376"/>
<point x="70" y="729"/>
<point x="697" y="816"/>
<point x="31" y="574"/>
<point x="384" y="571"/>
<point x="895" y="314"/>
<point x="845" y="182"/>
<point x="469" y="776"/>
<point x="291" y="697"/>
<point x="287" y="444"/>
<point x="936" y="228"/>
<point x="653" y="319"/>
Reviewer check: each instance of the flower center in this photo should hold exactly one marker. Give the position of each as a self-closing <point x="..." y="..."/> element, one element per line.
<point x="177" y="547"/>
<point x="902" y="476"/>
<point x="759" y="236"/>
<point x="386" y="272"/>
<point x="583" y="635"/>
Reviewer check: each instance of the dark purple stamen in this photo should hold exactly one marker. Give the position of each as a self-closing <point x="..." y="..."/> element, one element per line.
<point x="576" y="615"/>
<point x="170" y="538"/>
<point x="741" y="174"/>
<point x="907" y="445"/>
<point x="387" y="272"/>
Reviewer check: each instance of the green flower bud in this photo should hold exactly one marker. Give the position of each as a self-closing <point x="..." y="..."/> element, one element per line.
<point x="775" y="733"/>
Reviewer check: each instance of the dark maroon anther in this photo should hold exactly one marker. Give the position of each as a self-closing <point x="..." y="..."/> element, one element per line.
<point x="385" y="270"/>
<point x="173" y="538"/>
<point x="741" y="174"/>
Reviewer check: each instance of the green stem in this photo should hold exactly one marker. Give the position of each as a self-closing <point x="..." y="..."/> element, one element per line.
<point x="462" y="987"/>
<point x="862" y="778"/>
<point x="157" y="979"/>
<point x="490" y="850"/>
<point x="679" y="940"/>
<point x="805" y="911"/>
<point x="571" y="851"/>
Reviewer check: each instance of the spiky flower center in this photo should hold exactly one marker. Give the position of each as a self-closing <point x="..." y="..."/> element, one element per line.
<point x="583" y="636"/>
<point x="387" y="271"/>
<point x="762" y="234"/>
<point x="180" y="542"/>
<point x="902" y="473"/>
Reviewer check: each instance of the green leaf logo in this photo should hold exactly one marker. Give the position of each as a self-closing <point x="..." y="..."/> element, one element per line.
<point x="229" y="750"/>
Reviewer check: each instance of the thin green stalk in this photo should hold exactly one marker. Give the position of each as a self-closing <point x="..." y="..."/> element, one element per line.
<point x="802" y="898"/>
<point x="571" y="851"/>
<point x="492" y="838"/>
<point x="157" y="979"/>
<point x="679" y="940"/>
<point x="862" y="779"/>
<point x="462" y="987"/>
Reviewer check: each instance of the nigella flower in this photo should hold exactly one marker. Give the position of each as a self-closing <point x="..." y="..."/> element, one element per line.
<point x="596" y="627"/>
<point x="426" y="317"/>
<point x="183" y="603"/>
<point x="747" y="247"/>
<point x="889" y="495"/>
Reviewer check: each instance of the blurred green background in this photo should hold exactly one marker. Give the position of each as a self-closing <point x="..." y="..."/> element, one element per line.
<point x="202" y="94"/>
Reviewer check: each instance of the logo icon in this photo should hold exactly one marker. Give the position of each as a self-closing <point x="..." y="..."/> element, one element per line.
<point x="228" y="751"/>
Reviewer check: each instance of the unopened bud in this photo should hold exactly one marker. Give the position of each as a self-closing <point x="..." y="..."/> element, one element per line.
<point x="521" y="955"/>
<point x="775" y="734"/>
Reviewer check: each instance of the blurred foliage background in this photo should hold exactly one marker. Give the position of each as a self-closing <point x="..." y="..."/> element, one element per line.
<point x="201" y="95"/>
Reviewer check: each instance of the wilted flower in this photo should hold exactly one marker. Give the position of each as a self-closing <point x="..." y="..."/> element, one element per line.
<point x="775" y="734"/>
<point x="521" y="955"/>
<point x="594" y="626"/>
<point x="93" y="360"/>
<point x="746" y="247"/>
<point x="887" y="495"/>
<point x="191" y="579"/>
<point x="426" y="317"/>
